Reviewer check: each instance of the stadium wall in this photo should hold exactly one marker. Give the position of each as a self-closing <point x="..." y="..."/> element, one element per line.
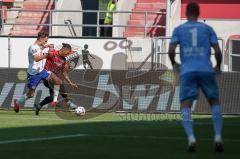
<point x="121" y="90"/>
<point x="4" y="60"/>
<point x="131" y="53"/>
<point x="217" y="9"/>
<point x="140" y="53"/>
<point x="122" y="18"/>
<point x="224" y="18"/>
<point x="61" y="17"/>
<point x="173" y="17"/>
<point x="14" y="51"/>
<point x="117" y="82"/>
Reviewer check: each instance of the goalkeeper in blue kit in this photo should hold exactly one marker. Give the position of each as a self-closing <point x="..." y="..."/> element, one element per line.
<point x="196" y="72"/>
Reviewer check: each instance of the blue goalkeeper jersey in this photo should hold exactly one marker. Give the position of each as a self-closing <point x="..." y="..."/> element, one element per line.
<point x="195" y="39"/>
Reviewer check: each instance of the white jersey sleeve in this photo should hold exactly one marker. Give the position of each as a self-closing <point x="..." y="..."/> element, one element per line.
<point x="35" y="67"/>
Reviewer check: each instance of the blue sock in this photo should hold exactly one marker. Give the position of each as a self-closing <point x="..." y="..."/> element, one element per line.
<point x="187" y="121"/>
<point x="217" y="119"/>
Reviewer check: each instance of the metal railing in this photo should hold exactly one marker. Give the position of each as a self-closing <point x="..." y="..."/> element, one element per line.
<point x="2" y="19"/>
<point x="70" y="27"/>
<point x="160" y="55"/>
<point x="98" y="26"/>
<point x="232" y="54"/>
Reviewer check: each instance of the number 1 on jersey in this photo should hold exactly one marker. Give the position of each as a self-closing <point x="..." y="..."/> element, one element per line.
<point x="193" y="31"/>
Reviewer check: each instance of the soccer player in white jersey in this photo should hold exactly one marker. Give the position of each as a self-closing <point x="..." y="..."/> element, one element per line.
<point x="37" y="54"/>
<point x="196" y="71"/>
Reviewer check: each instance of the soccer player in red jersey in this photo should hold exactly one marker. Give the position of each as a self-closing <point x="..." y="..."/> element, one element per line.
<point x="57" y="64"/>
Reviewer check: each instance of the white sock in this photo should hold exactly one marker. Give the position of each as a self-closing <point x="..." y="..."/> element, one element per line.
<point x="191" y="139"/>
<point x="56" y="92"/>
<point x="71" y="104"/>
<point x="21" y="100"/>
<point x="218" y="138"/>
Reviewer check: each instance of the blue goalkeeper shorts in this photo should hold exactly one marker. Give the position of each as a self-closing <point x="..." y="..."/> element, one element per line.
<point x="34" y="80"/>
<point x="191" y="82"/>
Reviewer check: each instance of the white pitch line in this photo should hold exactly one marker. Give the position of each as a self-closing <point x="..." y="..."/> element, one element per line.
<point x="109" y="136"/>
<point x="28" y="118"/>
<point x="41" y="139"/>
<point x="54" y="119"/>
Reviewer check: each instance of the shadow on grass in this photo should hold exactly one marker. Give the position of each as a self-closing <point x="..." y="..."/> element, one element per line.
<point x="118" y="139"/>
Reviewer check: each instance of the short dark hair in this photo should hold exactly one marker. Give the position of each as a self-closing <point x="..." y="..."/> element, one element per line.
<point x="192" y="9"/>
<point x="66" y="45"/>
<point x="42" y="34"/>
<point x="86" y="46"/>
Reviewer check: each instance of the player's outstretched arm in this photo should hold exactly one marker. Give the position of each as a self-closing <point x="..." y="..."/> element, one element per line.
<point x="45" y="52"/>
<point x="50" y="46"/>
<point x="65" y="72"/>
<point x="218" y="55"/>
<point x="40" y="57"/>
<point x="90" y="55"/>
<point x="172" y="54"/>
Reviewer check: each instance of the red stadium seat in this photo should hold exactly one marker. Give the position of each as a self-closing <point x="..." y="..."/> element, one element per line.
<point x="8" y="1"/>
<point x="5" y="5"/>
<point x="138" y="19"/>
<point x="31" y="17"/>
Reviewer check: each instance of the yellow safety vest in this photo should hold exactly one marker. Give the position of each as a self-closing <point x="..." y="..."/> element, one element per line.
<point x="109" y="15"/>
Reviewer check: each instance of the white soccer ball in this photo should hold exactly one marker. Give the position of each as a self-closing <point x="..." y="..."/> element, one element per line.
<point x="80" y="111"/>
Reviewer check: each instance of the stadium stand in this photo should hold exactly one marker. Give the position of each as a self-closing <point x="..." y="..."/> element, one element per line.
<point x="127" y="24"/>
<point x="222" y="9"/>
<point x="152" y="19"/>
<point x="5" y="4"/>
<point x="37" y="17"/>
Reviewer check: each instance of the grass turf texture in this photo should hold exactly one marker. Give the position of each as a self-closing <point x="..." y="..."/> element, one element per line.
<point x="108" y="136"/>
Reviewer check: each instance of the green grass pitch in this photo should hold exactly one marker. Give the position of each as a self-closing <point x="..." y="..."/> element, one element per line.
<point x="25" y="135"/>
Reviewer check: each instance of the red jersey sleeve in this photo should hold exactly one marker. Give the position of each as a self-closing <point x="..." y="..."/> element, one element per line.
<point x="51" y="54"/>
<point x="50" y="58"/>
<point x="55" y="63"/>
